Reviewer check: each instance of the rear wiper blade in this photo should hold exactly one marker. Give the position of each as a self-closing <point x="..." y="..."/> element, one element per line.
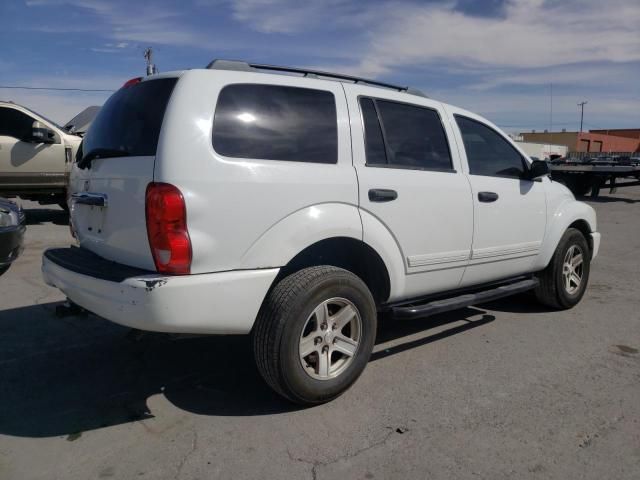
<point x="101" y="153"/>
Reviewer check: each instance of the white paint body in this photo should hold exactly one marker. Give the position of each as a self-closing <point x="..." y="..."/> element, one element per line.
<point x="248" y="218"/>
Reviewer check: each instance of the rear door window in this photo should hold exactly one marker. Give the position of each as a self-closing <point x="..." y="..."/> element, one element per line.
<point x="405" y="136"/>
<point x="488" y="153"/>
<point x="273" y="122"/>
<point x="130" y="120"/>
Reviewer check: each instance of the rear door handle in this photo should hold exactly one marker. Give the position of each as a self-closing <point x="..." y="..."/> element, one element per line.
<point x="487" y="197"/>
<point x="382" y="195"/>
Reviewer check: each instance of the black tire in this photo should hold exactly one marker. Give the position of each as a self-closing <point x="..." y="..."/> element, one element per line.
<point x="286" y="312"/>
<point x="553" y="291"/>
<point x="64" y="206"/>
<point x="4" y="268"/>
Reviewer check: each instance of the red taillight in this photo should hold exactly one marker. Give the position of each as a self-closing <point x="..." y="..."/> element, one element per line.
<point x="131" y="82"/>
<point x="167" y="229"/>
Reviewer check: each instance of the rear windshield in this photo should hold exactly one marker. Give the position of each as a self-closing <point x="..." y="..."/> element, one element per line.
<point x="131" y="118"/>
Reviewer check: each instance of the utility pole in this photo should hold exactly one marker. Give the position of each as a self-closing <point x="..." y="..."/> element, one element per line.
<point x="551" y="112"/>
<point x="151" y="68"/>
<point x="581" y="105"/>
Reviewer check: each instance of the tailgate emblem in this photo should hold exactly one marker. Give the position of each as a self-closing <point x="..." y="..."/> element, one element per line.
<point x="86" y="185"/>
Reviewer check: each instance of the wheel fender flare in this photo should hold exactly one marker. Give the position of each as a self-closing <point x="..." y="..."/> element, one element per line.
<point x="302" y="228"/>
<point x="290" y="235"/>
<point x="379" y="237"/>
<point x="558" y="222"/>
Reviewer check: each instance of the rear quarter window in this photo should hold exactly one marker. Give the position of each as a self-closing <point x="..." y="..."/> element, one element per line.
<point x="272" y="122"/>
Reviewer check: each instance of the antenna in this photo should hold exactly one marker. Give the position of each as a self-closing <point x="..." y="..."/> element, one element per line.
<point x="148" y="56"/>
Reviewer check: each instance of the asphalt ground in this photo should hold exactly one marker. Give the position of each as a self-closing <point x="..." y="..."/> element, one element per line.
<point x="502" y="390"/>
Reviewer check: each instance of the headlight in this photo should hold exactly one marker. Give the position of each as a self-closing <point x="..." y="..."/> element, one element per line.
<point x="6" y="220"/>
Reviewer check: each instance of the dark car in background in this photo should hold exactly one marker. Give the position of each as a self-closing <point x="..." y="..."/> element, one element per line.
<point x="12" y="228"/>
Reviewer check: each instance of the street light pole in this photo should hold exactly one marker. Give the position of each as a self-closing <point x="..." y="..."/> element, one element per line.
<point x="581" y="105"/>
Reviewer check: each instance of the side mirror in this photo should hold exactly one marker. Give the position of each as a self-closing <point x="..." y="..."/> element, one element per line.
<point x="41" y="134"/>
<point x="538" y="169"/>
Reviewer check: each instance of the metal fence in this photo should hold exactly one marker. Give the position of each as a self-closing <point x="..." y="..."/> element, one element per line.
<point x="583" y="155"/>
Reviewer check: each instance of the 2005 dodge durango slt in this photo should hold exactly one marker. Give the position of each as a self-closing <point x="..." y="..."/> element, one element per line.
<point x="295" y="207"/>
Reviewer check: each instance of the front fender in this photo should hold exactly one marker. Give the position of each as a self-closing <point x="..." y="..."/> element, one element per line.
<point x="559" y="219"/>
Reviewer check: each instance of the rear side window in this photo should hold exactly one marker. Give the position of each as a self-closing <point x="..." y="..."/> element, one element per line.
<point x="14" y="123"/>
<point x="272" y="122"/>
<point x="409" y="136"/>
<point x="488" y="153"/>
<point x="129" y="122"/>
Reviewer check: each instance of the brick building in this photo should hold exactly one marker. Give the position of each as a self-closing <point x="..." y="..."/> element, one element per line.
<point x="614" y="140"/>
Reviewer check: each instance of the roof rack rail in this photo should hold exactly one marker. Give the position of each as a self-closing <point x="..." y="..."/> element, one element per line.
<point x="241" y="66"/>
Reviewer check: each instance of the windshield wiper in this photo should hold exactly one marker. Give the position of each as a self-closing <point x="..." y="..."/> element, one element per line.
<point x="101" y="153"/>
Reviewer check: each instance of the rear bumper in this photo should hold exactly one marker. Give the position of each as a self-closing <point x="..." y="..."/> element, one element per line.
<point x="595" y="244"/>
<point x="217" y="303"/>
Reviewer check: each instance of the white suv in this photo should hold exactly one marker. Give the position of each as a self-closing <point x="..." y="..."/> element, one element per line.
<point x="295" y="205"/>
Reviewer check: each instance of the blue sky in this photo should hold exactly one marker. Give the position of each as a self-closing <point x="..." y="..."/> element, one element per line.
<point x="497" y="58"/>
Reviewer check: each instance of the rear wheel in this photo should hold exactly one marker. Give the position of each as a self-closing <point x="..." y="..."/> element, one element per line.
<point x="314" y="334"/>
<point x="4" y="268"/>
<point x="564" y="281"/>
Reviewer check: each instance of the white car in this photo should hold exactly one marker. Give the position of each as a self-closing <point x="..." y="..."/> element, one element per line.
<point x="35" y="155"/>
<point x="238" y="199"/>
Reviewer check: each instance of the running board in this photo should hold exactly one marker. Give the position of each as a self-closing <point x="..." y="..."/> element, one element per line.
<point x="406" y="311"/>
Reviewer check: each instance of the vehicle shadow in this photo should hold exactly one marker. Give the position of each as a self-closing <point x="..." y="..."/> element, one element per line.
<point x="609" y="199"/>
<point x="520" y="303"/>
<point x="70" y="375"/>
<point x="39" y="216"/>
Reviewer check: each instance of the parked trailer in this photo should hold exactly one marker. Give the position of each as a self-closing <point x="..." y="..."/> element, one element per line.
<point x="584" y="177"/>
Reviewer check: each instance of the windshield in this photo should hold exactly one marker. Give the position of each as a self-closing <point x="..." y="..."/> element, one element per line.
<point x="36" y="114"/>
<point x="130" y="120"/>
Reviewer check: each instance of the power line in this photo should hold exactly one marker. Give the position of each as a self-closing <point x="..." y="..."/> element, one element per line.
<point x="18" y="87"/>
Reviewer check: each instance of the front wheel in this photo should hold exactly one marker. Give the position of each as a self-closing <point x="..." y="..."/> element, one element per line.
<point x="314" y="334"/>
<point x="564" y="281"/>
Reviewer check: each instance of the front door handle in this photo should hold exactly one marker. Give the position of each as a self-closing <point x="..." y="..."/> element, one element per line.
<point x="487" y="197"/>
<point x="382" y="195"/>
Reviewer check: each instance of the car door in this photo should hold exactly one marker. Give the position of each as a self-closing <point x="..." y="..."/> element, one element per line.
<point x="409" y="181"/>
<point x="23" y="160"/>
<point x="509" y="209"/>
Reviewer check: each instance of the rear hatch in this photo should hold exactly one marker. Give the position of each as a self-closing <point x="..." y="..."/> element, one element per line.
<point x="115" y="165"/>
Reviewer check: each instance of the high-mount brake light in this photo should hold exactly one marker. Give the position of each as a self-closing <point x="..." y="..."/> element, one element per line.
<point x="167" y="229"/>
<point x="132" y="82"/>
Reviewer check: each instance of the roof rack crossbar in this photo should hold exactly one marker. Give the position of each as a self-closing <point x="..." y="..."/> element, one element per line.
<point x="244" y="66"/>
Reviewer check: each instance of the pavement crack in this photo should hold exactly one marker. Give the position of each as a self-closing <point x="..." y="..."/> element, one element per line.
<point x="185" y="457"/>
<point x="316" y="464"/>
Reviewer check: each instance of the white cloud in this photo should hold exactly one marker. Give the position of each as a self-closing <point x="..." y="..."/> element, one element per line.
<point x="529" y="33"/>
<point x="293" y="16"/>
<point x="582" y="75"/>
<point x="145" y="22"/>
<point x="58" y="106"/>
